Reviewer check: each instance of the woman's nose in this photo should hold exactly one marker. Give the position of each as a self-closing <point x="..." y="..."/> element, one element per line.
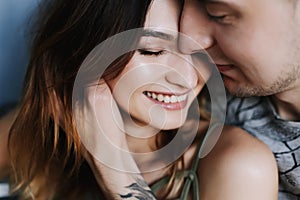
<point x="182" y="73"/>
<point x="195" y="27"/>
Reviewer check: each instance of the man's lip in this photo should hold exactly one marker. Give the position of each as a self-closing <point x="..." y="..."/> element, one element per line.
<point x="224" y="67"/>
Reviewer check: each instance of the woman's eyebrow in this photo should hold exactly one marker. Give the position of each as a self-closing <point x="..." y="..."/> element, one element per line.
<point x="158" y="34"/>
<point x="211" y="1"/>
<point x="221" y="2"/>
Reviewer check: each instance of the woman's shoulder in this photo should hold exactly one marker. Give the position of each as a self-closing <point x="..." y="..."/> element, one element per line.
<point x="233" y="138"/>
<point x="239" y="166"/>
<point x="235" y="143"/>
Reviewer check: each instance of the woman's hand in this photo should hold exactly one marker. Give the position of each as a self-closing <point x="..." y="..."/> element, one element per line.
<point x="101" y="130"/>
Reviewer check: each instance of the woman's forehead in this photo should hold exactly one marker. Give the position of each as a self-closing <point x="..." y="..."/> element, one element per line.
<point x="163" y="14"/>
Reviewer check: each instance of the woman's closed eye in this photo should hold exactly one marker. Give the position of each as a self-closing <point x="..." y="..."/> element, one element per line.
<point x="216" y="18"/>
<point x="148" y="52"/>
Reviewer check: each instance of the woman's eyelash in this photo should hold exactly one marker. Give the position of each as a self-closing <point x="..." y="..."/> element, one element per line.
<point x="150" y="52"/>
<point x="216" y="18"/>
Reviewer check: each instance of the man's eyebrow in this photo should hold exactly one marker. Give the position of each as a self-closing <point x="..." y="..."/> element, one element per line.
<point x="157" y="34"/>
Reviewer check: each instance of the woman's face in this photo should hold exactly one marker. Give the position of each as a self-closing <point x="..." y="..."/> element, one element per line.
<point x="158" y="85"/>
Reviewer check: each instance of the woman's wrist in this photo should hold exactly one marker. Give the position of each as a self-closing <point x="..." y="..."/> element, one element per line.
<point x="119" y="184"/>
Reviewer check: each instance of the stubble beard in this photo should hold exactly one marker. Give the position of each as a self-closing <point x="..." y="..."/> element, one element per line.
<point x="282" y="83"/>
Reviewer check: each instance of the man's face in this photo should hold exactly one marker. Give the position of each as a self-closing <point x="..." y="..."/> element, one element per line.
<point x="255" y="43"/>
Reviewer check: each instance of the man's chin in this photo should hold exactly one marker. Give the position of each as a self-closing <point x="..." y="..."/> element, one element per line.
<point x="247" y="91"/>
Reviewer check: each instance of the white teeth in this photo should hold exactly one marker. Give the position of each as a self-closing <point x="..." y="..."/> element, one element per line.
<point x="174" y="99"/>
<point x="167" y="98"/>
<point x="181" y="98"/>
<point x="153" y="96"/>
<point x="160" y="97"/>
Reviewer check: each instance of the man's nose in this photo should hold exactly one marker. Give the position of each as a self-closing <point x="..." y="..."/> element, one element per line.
<point x="195" y="27"/>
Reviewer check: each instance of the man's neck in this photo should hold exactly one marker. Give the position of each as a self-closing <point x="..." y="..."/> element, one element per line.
<point x="287" y="104"/>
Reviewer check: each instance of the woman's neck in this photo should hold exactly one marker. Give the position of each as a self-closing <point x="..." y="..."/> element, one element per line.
<point x="141" y="138"/>
<point x="140" y="145"/>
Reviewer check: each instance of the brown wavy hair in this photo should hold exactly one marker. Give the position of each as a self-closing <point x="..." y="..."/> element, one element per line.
<point x="44" y="145"/>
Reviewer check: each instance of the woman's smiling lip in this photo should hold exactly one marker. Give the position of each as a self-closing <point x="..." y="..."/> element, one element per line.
<point x="167" y="100"/>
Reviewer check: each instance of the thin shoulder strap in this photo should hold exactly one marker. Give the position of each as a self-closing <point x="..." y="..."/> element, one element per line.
<point x="190" y="176"/>
<point x="209" y="133"/>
